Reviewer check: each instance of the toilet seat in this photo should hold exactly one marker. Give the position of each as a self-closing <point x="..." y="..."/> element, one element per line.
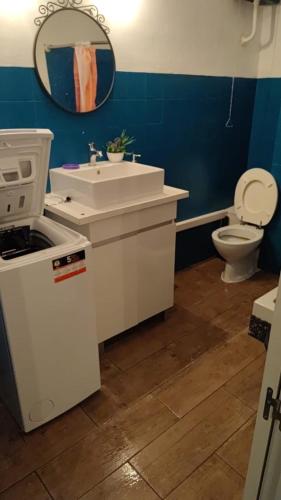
<point x="238" y="244"/>
<point x="256" y="197"/>
<point x="238" y="234"/>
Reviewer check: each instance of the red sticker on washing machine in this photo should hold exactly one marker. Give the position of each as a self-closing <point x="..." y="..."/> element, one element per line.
<point x="68" y="266"/>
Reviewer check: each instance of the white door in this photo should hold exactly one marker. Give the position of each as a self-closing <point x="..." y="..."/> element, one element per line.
<point x="264" y="472"/>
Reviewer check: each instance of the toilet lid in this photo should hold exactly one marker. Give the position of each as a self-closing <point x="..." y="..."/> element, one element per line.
<point x="256" y="197"/>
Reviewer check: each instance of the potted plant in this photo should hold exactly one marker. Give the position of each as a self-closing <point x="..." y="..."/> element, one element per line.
<point x="116" y="149"/>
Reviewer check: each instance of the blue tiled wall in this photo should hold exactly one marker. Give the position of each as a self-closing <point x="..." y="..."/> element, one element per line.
<point x="178" y="120"/>
<point x="265" y="152"/>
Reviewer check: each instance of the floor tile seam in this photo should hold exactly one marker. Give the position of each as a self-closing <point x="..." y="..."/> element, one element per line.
<point x="220" y="388"/>
<point x="111" y="362"/>
<point x="190" y="310"/>
<point x="25" y="476"/>
<point x="97" y="424"/>
<point x="125" y="370"/>
<point x="44" y="485"/>
<point x="150" y="442"/>
<point x="102" y="480"/>
<point x="36" y="467"/>
<point x="146" y="482"/>
<point x="229" y="465"/>
<point x="190" y="474"/>
<point x="191" y="307"/>
<point x="128" y="460"/>
<point x="240" y="399"/>
<point x="230" y="337"/>
<point x="152" y="393"/>
<point x="216" y="455"/>
<point x="231" y="436"/>
<point x="186" y="334"/>
<point x="213" y="453"/>
<point x="187" y="366"/>
<point x="129" y="406"/>
<point x="106" y="476"/>
<point x="197" y="360"/>
<point x="182" y="436"/>
<point x="170" y="379"/>
<point x="44" y="464"/>
<point x="194" y="407"/>
<point x="244" y="368"/>
<point x="222" y="313"/>
<point x="165" y="347"/>
<point x="17" y="482"/>
<point x="121" y="464"/>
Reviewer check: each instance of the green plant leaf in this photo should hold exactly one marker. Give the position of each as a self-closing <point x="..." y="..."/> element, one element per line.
<point x="119" y="144"/>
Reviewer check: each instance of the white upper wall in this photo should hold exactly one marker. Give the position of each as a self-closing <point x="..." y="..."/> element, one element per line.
<point x="200" y="37"/>
<point x="270" y="43"/>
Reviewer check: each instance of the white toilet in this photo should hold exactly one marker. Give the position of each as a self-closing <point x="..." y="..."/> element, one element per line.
<point x="255" y="202"/>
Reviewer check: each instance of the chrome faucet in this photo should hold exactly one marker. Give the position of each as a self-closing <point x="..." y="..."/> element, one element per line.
<point x="134" y="156"/>
<point x="94" y="153"/>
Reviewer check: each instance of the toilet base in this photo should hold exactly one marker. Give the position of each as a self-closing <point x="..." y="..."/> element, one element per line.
<point x="241" y="270"/>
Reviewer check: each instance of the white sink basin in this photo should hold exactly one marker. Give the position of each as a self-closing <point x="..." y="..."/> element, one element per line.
<point x="107" y="183"/>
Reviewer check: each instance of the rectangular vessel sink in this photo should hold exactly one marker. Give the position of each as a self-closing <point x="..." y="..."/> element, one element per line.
<point x="107" y="183"/>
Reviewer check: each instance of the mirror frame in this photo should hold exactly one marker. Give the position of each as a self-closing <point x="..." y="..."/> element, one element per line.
<point x="90" y="11"/>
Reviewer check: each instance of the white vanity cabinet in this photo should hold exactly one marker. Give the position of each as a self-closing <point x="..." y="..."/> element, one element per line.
<point x="133" y="251"/>
<point x="133" y="257"/>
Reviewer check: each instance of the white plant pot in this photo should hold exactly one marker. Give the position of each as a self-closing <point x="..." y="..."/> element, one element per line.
<point x="115" y="157"/>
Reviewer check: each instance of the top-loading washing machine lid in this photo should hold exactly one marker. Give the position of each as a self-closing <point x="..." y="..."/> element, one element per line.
<point x="256" y="197"/>
<point x="24" y="163"/>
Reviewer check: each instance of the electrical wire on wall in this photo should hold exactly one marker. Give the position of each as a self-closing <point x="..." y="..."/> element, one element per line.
<point x="229" y="123"/>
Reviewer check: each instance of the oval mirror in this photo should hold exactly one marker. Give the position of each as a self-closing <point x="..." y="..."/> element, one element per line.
<point x="74" y="60"/>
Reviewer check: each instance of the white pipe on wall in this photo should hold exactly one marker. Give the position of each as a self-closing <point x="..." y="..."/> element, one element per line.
<point x="201" y="220"/>
<point x="247" y="39"/>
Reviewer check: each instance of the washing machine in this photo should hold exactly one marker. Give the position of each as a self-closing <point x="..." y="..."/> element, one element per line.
<point x="49" y="358"/>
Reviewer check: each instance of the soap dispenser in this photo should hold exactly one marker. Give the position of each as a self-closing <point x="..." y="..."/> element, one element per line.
<point x="94" y="153"/>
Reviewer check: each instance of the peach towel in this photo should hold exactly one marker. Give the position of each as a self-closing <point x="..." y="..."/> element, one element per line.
<point x="85" y="78"/>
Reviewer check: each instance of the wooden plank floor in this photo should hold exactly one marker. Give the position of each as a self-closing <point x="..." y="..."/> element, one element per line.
<point x="175" y="415"/>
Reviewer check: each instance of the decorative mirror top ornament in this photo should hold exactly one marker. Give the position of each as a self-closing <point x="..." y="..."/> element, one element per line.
<point x="51" y="7"/>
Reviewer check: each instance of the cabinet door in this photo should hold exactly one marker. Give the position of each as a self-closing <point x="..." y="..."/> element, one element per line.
<point x="156" y="260"/>
<point x="115" y="274"/>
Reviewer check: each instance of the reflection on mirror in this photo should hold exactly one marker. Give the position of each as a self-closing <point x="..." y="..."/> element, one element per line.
<point x="74" y="60"/>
